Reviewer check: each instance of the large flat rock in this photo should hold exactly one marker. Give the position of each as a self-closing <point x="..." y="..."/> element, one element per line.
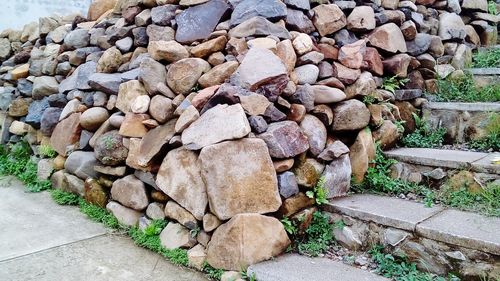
<point x="383" y="210"/>
<point x="293" y="267"/>
<point x="465" y="229"/>
<point x="32" y="222"/>
<point x="463" y="106"/>
<point x="453" y="159"/>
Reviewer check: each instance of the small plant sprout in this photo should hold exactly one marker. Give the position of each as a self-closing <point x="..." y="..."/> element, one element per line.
<point x="393" y="83"/>
<point x="289" y="225"/>
<point x="319" y="193"/>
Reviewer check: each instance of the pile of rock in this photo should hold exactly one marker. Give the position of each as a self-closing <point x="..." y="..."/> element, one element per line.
<point x="220" y="116"/>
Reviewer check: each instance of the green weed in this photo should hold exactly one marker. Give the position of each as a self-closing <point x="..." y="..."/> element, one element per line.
<point x="100" y="215"/>
<point x="424" y="135"/>
<point x="15" y="159"/>
<point x="492" y="138"/>
<point x="289" y="225"/>
<point x="400" y="269"/>
<point x="319" y="193"/>
<point x="47" y="151"/>
<point x="369" y="99"/>
<point x="393" y="83"/>
<point x="64" y="197"/>
<point x="463" y="89"/>
<point x="486" y="201"/>
<point x="318" y="236"/>
<point x="487" y="58"/>
<point x="211" y="272"/>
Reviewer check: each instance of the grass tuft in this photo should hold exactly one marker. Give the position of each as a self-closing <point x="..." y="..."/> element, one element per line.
<point x="424" y="135"/>
<point x="318" y="236"/>
<point x="463" y="89"/>
<point x="489" y="57"/>
<point x="100" y="215"/>
<point x="64" y="197"/>
<point x="486" y="201"/>
<point x="492" y="139"/>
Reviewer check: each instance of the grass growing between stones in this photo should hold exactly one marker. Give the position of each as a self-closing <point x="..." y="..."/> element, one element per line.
<point x="15" y="160"/>
<point x="379" y="180"/>
<point x="400" y="269"/>
<point x="487" y="58"/>
<point x="424" y="135"/>
<point x="463" y="89"/>
<point x="316" y="238"/>
<point x="485" y="201"/>
<point x="492" y="139"/>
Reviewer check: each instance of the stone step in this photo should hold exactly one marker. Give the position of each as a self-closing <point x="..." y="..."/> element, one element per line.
<point x="485" y="76"/>
<point x="294" y="267"/>
<point x="437" y="239"/>
<point x="463" y="121"/>
<point x="449" y="159"/>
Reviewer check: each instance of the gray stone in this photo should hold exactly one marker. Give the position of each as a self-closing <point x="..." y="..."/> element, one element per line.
<point x="81" y="164"/>
<point x="316" y="133"/>
<point x="77" y="38"/>
<point x="299" y="4"/>
<point x="333" y="151"/>
<point x="35" y="112"/>
<point x="107" y="83"/>
<point x="259" y="26"/>
<point x="258" y="124"/>
<point x="451" y="26"/>
<point x="272" y="10"/>
<point x="124" y="215"/>
<point x="287" y="184"/>
<point x="44" y="86"/>
<point x="155" y="211"/>
<point x="337" y="176"/>
<point x="407" y="94"/>
<point x="197" y="22"/>
<point x="220" y="123"/>
<point x="163" y="15"/>
<point x="49" y="120"/>
<point x="419" y="45"/>
<point x="130" y="192"/>
<point x="307" y="74"/>
<point x="383" y="210"/>
<point x="176" y="236"/>
<point x="394" y="237"/>
<point x="298" y="21"/>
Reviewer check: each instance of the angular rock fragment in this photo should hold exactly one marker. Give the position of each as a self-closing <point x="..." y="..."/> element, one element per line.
<point x="285" y="139"/>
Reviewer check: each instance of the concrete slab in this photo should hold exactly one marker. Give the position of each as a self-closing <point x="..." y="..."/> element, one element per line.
<point x="383" y="210"/>
<point x="293" y="267"/>
<point x="453" y="159"/>
<point x="485" y="165"/>
<point x="32" y="222"/>
<point x="103" y="258"/>
<point x="465" y="229"/>
<point x="463" y="106"/>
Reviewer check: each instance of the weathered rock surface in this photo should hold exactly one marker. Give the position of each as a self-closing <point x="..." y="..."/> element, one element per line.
<point x="130" y="192"/>
<point x="233" y="170"/>
<point x="246" y="239"/>
<point x="285" y="139"/>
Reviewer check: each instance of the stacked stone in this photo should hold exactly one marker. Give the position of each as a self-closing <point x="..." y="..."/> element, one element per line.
<point x="221" y="116"/>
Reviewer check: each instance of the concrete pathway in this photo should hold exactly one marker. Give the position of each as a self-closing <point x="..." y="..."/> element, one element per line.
<point x="40" y="240"/>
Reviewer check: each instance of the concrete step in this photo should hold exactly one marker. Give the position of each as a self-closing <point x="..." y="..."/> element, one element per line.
<point x="463" y="121"/>
<point x="438" y="239"/>
<point x="294" y="267"/>
<point x="448" y="159"/>
<point x="485" y="76"/>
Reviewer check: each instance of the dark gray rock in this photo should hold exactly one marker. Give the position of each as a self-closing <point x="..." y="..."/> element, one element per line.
<point x="419" y="45"/>
<point x="81" y="164"/>
<point x="163" y="15"/>
<point x="57" y="100"/>
<point x="35" y="112"/>
<point x="78" y="38"/>
<point x="298" y="21"/>
<point x="299" y="4"/>
<point x="79" y="79"/>
<point x="108" y="83"/>
<point x="259" y="26"/>
<point x="305" y="96"/>
<point x="25" y="87"/>
<point x="258" y="124"/>
<point x="272" y="10"/>
<point x="198" y="22"/>
<point x="49" y="120"/>
<point x="140" y="37"/>
<point x="287" y="184"/>
<point x="409" y="94"/>
<point x="344" y="37"/>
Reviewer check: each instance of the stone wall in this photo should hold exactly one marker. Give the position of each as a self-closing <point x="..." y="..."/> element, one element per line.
<point x="221" y="116"/>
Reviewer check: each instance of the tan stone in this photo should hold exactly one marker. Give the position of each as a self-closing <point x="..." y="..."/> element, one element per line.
<point x="210" y="222"/>
<point x="183" y="75"/>
<point x="294" y="204"/>
<point x="153" y="141"/>
<point x="20" y="128"/>
<point x="127" y="93"/>
<point x="302" y="44"/>
<point x="222" y="122"/>
<point x="132" y="125"/>
<point x="263" y="42"/>
<point x="218" y="74"/>
<point x="245" y="240"/>
<point x="92" y="118"/>
<point x="362" y="18"/>
<point x="180" y="178"/>
<point x="169" y="51"/>
<point x="175" y="212"/>
<point x="197" y="256"/>
<point x="388" y="37"/>
<point x="99" y="7"/>
<point x="110" y="61"/>
<point x="361" y="155"/>
<point x="240" y="178"/>
<point x="209" y="47"/>
<point x="66" y="132"/>
<point x="130" y="192"/>
<point x="176" y="236"/>
<point x="283" y="165"/>
<point x="124" y="215"/>
<point x="187" y="117"/>
<point x="328" y="18"/>
<point x="286" y="52"/>
<point x="161" y="108"/>
<point x="20" y="71"/>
